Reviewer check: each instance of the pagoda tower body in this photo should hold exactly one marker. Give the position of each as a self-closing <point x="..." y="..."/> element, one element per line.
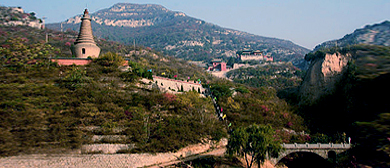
<point x="85" y="46"/>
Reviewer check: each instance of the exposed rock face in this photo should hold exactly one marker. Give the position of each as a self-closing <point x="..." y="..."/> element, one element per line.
<point x="322" y="76"/>
<point x="15" y="16"/>
<point x="131" y="15"/>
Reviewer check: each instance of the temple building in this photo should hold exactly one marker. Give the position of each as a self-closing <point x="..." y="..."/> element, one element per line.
<point x="217" y="65"/>
<point x="85" y="46"/>
<point x="247" y="54"/>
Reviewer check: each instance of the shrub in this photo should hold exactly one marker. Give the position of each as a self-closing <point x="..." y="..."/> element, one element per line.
<point x="110" y="59"/>
<point x="74" y="78"/>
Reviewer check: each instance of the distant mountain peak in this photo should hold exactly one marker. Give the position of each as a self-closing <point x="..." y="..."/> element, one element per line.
<point x="131" y="7"/>
<point x="130" y="15"/>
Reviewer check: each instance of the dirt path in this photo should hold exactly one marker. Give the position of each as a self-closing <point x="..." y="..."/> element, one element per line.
<point x="84" y="161"/>
<point x="104" y="160"/>
<point x="95" y="160"/>
<point x="215" y="152"/>
<point x="76" y="159"/>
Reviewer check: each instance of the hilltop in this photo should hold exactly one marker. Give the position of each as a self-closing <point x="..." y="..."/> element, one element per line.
<point x="179" y="35"/>
<point x="376" y="34"/>
<point x="13" y="16"/>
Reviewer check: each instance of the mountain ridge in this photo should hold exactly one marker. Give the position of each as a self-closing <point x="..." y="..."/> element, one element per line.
<point x="180" y="35"/>
<point x="375" y="34"/>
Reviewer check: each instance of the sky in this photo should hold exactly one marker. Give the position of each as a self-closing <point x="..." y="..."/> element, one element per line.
<point x="304" y="22"/>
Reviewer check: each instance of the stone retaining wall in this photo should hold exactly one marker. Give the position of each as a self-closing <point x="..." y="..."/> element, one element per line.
<point x="109" y="138"/>
<point x="71" y="61"/>
<point x="105" y="148"/>
<point x="174" y="86"/>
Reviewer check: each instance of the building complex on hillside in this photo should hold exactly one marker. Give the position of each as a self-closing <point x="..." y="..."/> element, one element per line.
<point x="246" y="55"/>
<point x="242" y="55"/>
<point x="217" y="65"/>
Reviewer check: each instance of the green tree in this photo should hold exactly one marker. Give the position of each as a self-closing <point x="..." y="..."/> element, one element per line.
<point x="74" y="79"/>
<point x="129" y="76"/>
<point x="221" y="90"/>
<point x="230" y="61"/>
<point x="254" y="143"/>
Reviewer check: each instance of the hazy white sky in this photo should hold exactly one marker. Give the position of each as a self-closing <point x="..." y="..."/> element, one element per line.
<point x="304" y="22"/>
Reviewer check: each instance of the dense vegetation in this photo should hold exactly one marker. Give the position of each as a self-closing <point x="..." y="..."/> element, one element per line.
<point x="46" y="105"/>
<point x="245" y="106"/>
<point x="43" y="104"/>
<point x="49" y="105"/>
<point x="278" y="76"/>
<point x="255" y="143"/>
<point x="145" y="57"/>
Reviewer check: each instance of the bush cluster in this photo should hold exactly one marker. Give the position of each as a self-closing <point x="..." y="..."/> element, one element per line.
<point x="49" y="107"/>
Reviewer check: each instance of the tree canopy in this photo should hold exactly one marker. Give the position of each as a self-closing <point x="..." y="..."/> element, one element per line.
<point x="254" y="143"/>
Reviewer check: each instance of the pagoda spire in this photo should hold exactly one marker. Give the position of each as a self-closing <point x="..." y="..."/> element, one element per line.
<point x="85" y="34"/>
<point x="85" y="46"/>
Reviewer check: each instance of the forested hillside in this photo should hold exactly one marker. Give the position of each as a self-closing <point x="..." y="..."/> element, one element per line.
<point x="46" y="106"/>
<point x="279" y="76"/>
<point x="179" y="35"/>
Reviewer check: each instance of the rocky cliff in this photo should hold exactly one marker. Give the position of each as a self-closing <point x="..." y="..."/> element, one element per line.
<point x="325" y="71"/>
<point x="322" y="76"/>
<point x="130" y="15"/>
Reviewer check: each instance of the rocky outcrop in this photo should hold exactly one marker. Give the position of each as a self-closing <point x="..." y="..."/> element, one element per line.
<point x="15" y="16"/>
<point x="131" y="15"/>
<point x="322" y="76"/>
